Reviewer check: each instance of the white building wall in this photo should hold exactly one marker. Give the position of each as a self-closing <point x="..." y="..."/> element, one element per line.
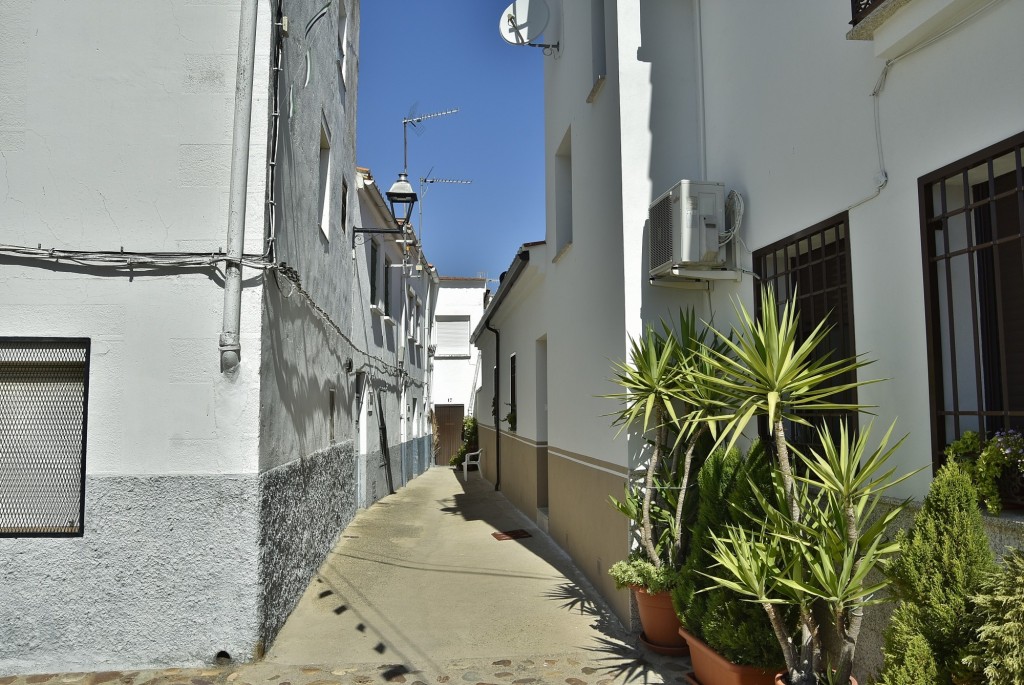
<point x="586" y="304"/>
<point x="116" y="129"/>
<point x="775" y="102"/>
<point x="790" y="124"/>
<point x="396" y="347"/>
<point x="456" y="378"/>
<point x="307" y="459"/>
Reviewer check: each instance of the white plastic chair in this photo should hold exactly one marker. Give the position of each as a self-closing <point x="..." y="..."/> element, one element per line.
<point x="472" y="458"/>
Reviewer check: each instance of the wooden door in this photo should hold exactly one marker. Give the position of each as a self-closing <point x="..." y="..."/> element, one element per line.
<point x="449" y="426"/>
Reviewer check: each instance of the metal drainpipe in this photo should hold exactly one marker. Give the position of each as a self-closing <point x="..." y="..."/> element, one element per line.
<point x="230" y="347"/>
<point x="497" y="397"/>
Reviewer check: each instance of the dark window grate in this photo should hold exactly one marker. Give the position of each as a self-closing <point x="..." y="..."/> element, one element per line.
<point x="814" y="267"/>
<point x="972" y="221"/>
<point x="44" y="387"/>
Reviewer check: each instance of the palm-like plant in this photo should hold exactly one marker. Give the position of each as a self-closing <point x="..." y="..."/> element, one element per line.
<point x="820" y="563"/>
<point x="661" y="365"/>
<point x="650" y="383"/>
<point x="768" y="371"/>
<point x="816" y="546"/>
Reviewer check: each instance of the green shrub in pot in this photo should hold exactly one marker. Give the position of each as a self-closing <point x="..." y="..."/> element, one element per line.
<point x="735" y="628"/>
<point x="817" y="539"/>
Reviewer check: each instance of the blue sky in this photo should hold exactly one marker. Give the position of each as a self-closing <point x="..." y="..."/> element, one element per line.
<point x="450" y="54"/>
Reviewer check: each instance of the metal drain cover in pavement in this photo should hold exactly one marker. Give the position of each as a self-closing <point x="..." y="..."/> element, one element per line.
<point x="511" y="534"/>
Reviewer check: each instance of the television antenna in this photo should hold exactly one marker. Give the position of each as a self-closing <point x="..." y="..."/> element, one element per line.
<point x="427" y="180"/>
<point x="416" y="120"/>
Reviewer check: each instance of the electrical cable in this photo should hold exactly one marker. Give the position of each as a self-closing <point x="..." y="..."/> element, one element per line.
<point x="883" y="178"/>
<point x="197" y="260"/>
<point x="382" y="366"/>
<point x="132" y="260"/>
<point x="733" y="207"/>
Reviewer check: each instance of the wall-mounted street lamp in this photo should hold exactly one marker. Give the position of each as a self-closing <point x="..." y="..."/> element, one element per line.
<point x="401" y="196"/>
<point x="402" y="199"/>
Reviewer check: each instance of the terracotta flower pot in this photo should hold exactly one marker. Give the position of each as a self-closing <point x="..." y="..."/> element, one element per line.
<point x="660" y="623"/>
<point x="780" y="679"/>
<point x="710" y="668"/>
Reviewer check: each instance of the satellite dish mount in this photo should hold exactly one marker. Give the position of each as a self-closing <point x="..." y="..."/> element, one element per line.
<point x="523" y="22"/>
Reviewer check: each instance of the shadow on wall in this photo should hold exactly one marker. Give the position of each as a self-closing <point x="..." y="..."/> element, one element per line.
<point x="672" y="55"/>
<point x="307" y="361"/>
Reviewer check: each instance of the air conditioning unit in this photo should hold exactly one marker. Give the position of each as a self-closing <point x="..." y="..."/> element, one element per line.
<point x="685" y="225"/>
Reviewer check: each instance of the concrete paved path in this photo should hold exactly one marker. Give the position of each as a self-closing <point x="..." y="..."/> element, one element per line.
<point x="419" y="582"/>
<point x="419" y="591"/>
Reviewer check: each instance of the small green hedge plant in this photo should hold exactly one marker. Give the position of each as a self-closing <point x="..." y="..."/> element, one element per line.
<point x="942" y="561"/>
<point x="909" y="658"/>
<point x="737" y="629"/>
<point x="1000" y="650"/>
<point x="985" y="462"/>
<point x="469" y="442"/>
<point x="638" y="572"/>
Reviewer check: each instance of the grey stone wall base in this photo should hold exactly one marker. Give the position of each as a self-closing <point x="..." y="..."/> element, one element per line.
<point x="408" y="460"/>
<point x="165" y="575"/>
<point x="304" y="506"/>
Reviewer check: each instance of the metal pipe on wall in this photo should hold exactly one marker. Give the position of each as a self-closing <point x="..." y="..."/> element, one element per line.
<point x="230" y="345"/>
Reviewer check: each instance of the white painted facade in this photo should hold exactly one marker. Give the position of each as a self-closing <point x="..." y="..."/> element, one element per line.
<point x="456" y="371"/>
<point x="394" y="316"/>
<point x="774" y="101"/>
<point x="211" y="497"/>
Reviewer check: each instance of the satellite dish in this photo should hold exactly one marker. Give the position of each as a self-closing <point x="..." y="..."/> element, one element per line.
<point x="523" y="21"/>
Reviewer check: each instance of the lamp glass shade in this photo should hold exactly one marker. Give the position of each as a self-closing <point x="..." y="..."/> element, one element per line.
<point x="402" y="198"/>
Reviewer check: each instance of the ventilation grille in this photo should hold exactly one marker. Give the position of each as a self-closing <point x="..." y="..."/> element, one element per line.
<point x="43" y="408"/>
<point x="660" y="215"/>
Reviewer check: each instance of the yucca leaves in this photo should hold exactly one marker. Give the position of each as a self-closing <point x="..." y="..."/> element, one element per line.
<point x="820" y="561"/>
<point x="766" y="369"/>
<point x="661" y="364"/>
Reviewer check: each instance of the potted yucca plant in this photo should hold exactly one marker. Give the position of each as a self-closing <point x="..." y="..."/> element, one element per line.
<point x="817" y="537"/>
<point x="656" y="501"/>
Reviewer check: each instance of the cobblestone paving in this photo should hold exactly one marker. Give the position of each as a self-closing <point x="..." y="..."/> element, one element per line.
<point x="584" y="668"/>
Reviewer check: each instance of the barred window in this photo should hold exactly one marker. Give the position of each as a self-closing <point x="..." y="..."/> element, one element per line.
<point x="813" y="266"/>
<point x="971" y="221"/>
<point x="44" y="389"/>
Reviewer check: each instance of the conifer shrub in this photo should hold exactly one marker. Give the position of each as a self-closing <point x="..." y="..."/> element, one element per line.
<point x="999" y="653"/>
<point x="735" y="628"/>
<point x="942" y="561"/>
<point x="909" y="658"/>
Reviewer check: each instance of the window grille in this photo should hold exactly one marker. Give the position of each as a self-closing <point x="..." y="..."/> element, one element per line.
<point x="814" y="267"/>
<point x="971" y="222"/>
<point x="44" y="389"/>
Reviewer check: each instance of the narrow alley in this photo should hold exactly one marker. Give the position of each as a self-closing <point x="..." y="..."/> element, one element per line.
<point x="419" y="589"/>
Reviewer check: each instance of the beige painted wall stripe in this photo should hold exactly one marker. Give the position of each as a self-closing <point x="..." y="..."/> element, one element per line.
<point x="582" y="459"/>
<point x="604" y="466"/>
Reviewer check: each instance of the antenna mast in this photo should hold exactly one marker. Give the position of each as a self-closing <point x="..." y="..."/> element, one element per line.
<point x="423" y="193"/>
<point x="416" y="120"/>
